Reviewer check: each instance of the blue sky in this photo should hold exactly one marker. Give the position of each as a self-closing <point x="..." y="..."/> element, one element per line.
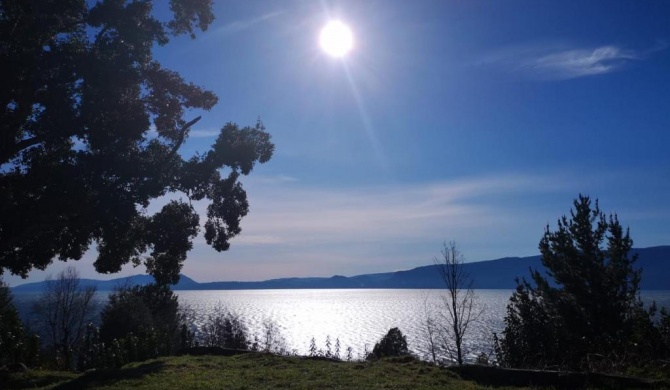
<point x="475" y="121"/>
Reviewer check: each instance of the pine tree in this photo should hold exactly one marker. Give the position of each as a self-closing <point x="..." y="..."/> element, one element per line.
<point x="585" y="311"/>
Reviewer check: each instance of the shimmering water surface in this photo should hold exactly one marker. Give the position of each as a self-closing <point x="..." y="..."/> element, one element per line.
<point x="358" y="318"/>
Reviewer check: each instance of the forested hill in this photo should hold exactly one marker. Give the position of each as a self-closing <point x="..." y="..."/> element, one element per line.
<point x="491" y="274"/>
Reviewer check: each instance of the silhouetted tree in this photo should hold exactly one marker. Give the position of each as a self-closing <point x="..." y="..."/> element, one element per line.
<point x="585" y="313"/>
<point x="16" y="345"/>
<point x="447" y="328"/>
<point x="150" y="313"/>
<point x="63" y="311"/>
<point x="393" y="343"/>
<point x="90" y="131"/>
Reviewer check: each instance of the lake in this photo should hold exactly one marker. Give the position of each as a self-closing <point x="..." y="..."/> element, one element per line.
<point x="357" y="317"/>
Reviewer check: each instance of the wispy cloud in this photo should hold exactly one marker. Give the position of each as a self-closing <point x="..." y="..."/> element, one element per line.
<point x="551" y="62"/>
<point x="241" y="25"/>
<point x="276" y="179"/>
<point x="204" y="133"/>
<point x="294" y="215"/>
<point x="582" y="62"/>
<point x="295" y="229"/>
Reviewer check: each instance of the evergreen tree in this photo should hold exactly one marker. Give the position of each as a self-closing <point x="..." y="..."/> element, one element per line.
<point x="11" y="329"/>
<point x="585" y="312"/>
<point x="16" y="346"/>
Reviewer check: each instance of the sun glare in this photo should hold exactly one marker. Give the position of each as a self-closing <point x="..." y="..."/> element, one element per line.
<point x="336" y="39"/>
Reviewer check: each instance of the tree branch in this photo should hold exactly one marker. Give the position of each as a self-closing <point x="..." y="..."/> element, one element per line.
<point x="182" y="136"/>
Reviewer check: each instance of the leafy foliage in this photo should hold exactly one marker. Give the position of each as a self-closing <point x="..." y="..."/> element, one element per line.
<point x="393" y="343"/>
<point x="149" y="312"/>
<point x="78" y="162"/>
<point x="586" y="312"/>
<point x="95" y="353"/>
<point x="16" y="346"/>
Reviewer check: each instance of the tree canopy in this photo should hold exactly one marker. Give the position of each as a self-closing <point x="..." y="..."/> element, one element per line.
<point x="585" y="312"/>
<point x="90" y="131"/>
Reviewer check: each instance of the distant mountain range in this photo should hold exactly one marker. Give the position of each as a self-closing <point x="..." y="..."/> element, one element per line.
<point x="491" y="274"/>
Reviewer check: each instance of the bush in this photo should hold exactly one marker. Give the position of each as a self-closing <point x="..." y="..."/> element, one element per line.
<point x="138" y="323"/>
<point x="271" y="340"/>
<point x="393" y="344"/>
<point x="225" y="330"/>
<point x="151" y="313"/>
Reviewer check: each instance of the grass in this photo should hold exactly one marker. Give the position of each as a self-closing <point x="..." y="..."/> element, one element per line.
<point x="249" y="371"/>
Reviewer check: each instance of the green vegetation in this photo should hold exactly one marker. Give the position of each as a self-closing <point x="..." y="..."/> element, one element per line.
<point x="585" y="314"/>
<point x="393" y="343"/>
<point x="16" y="345"/>
<point x="83" y="158"/>
<point x="142" y="311"/>
<point x="250" y="371"/>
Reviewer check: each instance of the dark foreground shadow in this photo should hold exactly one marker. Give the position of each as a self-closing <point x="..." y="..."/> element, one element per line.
<point x="98" y="378"/>
<point x="496" y="376"/>
<point x="30" y="382"/>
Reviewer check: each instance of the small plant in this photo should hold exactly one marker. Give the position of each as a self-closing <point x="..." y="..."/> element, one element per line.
<point x="483" y="359"/>
<point x="312" y="348"/>
<point x="337" y="349"/>
<point x="328" y="344"/>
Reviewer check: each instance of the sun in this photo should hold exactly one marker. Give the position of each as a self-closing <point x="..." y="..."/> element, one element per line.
<point x="336" y="39"/>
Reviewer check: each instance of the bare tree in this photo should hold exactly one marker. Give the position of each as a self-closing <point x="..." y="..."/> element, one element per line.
<point x="63" y="311"/>
<point x="429" y="333"/>
<point x="459" y="311"/>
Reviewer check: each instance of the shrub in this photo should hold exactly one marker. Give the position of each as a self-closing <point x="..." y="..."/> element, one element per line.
<point x="393" y="343"/>
<point x="151" y="313"/>
<point x="270" y="340"/>
<point x="225" y="330"/>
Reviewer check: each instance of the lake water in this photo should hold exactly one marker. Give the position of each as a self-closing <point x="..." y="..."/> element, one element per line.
<point x="357" y="317"/>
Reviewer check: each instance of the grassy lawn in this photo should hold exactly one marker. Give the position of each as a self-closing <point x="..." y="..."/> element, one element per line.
<point x="249" y="371"/>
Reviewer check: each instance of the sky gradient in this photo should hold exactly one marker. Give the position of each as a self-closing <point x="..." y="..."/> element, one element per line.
<point x="475" y="121"/>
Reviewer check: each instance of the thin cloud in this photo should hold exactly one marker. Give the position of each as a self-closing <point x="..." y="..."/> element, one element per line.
<point x="582" y="62"/>
<point x="204" y="133"/>
<point x="293" y="215"/>
<point x="276" y="179"/>
<point x="241" y="25"/>
<point x="553" y="63"/>
<point x="298" y="230"/>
